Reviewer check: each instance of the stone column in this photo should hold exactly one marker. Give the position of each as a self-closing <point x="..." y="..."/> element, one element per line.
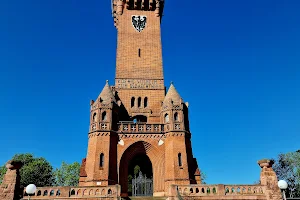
<point x="10" y="187"/>
<point x="269" y="179"/>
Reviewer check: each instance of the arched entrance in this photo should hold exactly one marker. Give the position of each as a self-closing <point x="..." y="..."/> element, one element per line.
<point x="135" y="162"/>
<point x="140" y="176"/>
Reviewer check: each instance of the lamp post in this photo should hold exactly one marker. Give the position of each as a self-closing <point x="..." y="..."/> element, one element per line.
<point x="282" y="184"/>
<point x="30" y="189"/>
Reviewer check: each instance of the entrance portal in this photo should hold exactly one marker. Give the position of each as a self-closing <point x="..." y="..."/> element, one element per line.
<point x="140" y="176"/>
<point x="138" y="159"/>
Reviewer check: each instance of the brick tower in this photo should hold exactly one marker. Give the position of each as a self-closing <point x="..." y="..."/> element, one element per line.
<point x="137" y="121"/>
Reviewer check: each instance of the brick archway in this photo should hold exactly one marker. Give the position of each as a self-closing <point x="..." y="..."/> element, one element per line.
<point x="156" y="158"/>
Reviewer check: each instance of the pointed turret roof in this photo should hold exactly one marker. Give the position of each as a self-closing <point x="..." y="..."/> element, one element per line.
<point x="197" y="172"/>
<point x="107" y="95"/>
<point x="172" y="95"/>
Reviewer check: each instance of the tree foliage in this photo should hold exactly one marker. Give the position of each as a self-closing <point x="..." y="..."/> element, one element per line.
<point x="67" y="174"/>
<point x="34" y="170"/>
<point x="40" y="172"/>
<point x="136" y="170"/>
<point x="203" y="177"/>
<point x="287" y="167"/>
<point x="2" y="172"/>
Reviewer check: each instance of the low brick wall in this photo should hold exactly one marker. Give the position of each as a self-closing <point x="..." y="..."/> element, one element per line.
<point x="91" y="192"/>
<point x="211" y="192"/>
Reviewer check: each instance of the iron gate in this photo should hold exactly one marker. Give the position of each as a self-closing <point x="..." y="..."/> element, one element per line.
<point x="142" y="186"/>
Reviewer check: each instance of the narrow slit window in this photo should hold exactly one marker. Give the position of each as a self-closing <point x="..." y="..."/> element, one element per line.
<point x="94" y="117"/>
<point x="139" y="52"/>
<point x="101" y="160"/>
<point x="139" y="102"/>
<point x="166" y="118"/>
<point x="179" y="160"/>
<point x="176" y="117"/>
<point x="145" y="102"/>
<point x="132" y="102"/>
<point x="104" y="116"/>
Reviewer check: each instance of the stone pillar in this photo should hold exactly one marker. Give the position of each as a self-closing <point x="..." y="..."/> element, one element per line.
<point x="10" y="187"/>
<point x="269" y="179"/>
<point x="173" y="193"/>
<point x="221" y="190"/>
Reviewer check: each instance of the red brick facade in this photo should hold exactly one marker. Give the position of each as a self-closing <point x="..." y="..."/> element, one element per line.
<point x="139" y="93"/>
<point x="138" y="118"/>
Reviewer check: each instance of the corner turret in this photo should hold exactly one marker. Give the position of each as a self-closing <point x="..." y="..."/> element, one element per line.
<point x="102" y="110"/>
<point x="174" y="111"/>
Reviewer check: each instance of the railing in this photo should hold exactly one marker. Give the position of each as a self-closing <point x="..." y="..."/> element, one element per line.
<point x="244" y="189"/>
<point x="100" y="126"/>
<point x="197" y="190"/>
<point x="140" y="128"/>
<point x="106" y="192"/>
<point x="218" y="190"/>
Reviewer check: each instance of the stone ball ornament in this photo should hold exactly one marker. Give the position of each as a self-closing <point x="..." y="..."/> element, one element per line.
<point x="31" y="189"/>
<point x="12" y="165"/>
<point x="282" y="184"/>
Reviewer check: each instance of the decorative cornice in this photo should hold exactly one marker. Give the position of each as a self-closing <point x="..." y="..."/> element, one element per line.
<point x="138" y="136"/>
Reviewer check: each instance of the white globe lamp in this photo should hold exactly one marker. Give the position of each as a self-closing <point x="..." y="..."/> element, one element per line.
<point x="30" y="189"/>
<point x="282" y="184"/>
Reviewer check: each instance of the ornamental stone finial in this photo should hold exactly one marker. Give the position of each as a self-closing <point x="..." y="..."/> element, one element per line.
<point x="265" y="163"/>
<point x="13" y="164"/>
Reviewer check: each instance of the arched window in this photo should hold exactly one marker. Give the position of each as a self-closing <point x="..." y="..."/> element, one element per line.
<point x="94" y="117"/>
<point x="39" y="193"/>
<point x="145" y="102"/>
<point x="139" y="102"/>
<point x="132" y="102"/>
<point x="101" y="160"/>
<point x="179" y="160"/>
<point x="104" y="116"/>
<point x="176" y="117"/>
<point x="166" y="118"/>
<point x="45" y="193"/>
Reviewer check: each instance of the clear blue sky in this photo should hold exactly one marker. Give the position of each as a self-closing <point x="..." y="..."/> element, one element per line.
<point x="236" y="62"/>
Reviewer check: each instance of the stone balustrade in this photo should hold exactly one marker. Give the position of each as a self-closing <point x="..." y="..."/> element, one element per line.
<point x="197" y="190"/>
<point x="217" y="190"/>
<point x="140" y="128"/>
<point x="244" y="189"/>
<point x="105" y="192"/>
<point x="103" y="126"/>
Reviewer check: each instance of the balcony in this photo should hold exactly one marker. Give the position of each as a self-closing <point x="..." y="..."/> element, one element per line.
<point x="103" y="126"/>
<point x="130" y="127"/>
